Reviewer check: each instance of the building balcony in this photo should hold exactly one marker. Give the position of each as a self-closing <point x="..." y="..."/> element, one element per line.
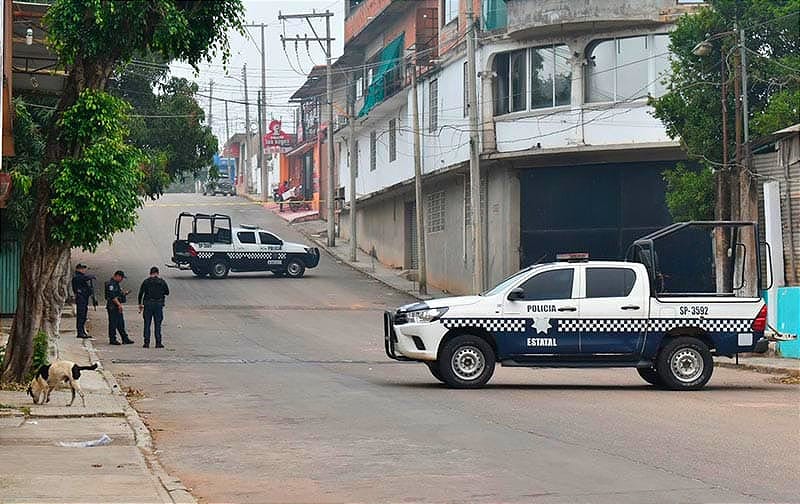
<point x="549" y="17"/>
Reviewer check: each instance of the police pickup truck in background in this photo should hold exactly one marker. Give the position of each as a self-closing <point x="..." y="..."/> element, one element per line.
<point x="247" y="248"/>
<point x="577" y="313"/>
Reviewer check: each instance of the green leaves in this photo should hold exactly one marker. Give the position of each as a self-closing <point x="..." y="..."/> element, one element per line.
<point x="96" y="193"/>
<point x="690" y="193"/>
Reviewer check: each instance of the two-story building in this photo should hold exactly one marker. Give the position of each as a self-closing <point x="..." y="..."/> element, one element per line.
<point x="571" y="158"/>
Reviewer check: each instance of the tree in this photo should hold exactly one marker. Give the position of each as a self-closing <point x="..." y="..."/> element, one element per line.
<point x="168" y="125"/>
<point x="88" y="172"/>
<point x="692" y="107"/>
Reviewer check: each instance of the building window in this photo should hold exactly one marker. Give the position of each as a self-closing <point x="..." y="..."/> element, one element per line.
<point x="466" y="89"/>
<point x="435" y="209"/>
<point x="373" y="151"/>
<point x="626" y="68"/>
<point x="434" y="105"/>
<point x="359" y="87"/>
<point x="449" y="11"/>
<point x="518" y="78"/>
<point x="392" y="140"/>
<point x="551" y="76"/>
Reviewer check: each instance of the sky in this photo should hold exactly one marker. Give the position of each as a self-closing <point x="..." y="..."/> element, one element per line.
<point x="285" y="71"/>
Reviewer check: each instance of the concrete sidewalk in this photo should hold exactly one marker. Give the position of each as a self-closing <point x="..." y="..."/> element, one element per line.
<point x="772" y="365"/>
<point x="316" y="232"/>
<point x="287" y="213"/>
<point x="35" y="468"/>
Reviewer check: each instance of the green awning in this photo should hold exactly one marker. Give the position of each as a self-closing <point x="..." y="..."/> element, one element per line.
<point x="389" y="60"/>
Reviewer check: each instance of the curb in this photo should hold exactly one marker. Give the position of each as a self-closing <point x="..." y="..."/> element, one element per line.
<point x="325" y="247"/>
<point x="173" y="488"/>
<point x="759" y="368"/>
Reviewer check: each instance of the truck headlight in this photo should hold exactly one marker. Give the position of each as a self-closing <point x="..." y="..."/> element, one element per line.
<point x="424" y="316"/>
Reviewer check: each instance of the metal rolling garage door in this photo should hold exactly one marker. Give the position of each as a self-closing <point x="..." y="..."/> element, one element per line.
<point x="411" y="235"/>
<point x="599" y="209"/>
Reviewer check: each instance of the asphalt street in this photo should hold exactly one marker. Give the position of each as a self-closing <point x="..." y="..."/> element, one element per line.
<point x="278" y="390"/>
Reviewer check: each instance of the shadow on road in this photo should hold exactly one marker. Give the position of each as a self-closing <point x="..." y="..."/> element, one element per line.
<point x="556" y="386"/>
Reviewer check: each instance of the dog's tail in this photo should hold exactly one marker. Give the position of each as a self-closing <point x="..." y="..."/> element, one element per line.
<point x="76" y="370"/>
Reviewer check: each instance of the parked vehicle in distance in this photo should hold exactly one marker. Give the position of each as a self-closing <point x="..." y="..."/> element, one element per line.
<point x="222" y="185"/>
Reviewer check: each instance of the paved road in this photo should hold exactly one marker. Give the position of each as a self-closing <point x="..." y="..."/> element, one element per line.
<point x="277" y="390"/>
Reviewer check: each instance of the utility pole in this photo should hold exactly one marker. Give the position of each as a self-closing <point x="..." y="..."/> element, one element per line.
<point x="227" y="125"/>
<point x="210" y="103"/>
<point x="260" y="151"/>
<point x="246" y="130"/>
<point x="422" y="271"/>
<point x="262" y="111"/>
<point x="478" y="281"/>
<point x="353" y="170"/>
<point x="329" y="88"/>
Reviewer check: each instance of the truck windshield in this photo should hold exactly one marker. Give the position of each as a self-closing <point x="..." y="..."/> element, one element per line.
<point x="508" y="282"/>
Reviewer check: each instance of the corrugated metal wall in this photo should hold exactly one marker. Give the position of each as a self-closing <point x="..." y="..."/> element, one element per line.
<point x="10" y="257"/>
<point x="782" y="165"/>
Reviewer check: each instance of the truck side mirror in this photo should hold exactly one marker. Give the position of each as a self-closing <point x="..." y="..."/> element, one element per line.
<point x="516" y="294"/>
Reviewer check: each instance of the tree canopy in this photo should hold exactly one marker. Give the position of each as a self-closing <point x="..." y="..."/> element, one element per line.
<point x="692" y="107"/>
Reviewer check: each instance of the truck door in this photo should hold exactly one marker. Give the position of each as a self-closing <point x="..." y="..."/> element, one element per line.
<point x="614" y="309"/>
<point x="272" y="246"/>
<point x="547" y="299"/>
<point x="245" y="256"/>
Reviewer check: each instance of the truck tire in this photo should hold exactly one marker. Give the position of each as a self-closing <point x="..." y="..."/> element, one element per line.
<point x="219" y="268"/>
<point x="650" y="375"/>
<point x="201" y="272"/>
<point x="434" y="369"/>
<point x="685" y="363"/>
<point x="295" y="268"/>
<point x="466" y="362"/>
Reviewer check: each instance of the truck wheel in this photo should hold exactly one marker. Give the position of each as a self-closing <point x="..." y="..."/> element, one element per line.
<point x="434" y="368"/>
<point x="219" y="268"/>
<point x="199" y="271"/>
<point x="295" y="268"/>
<point x="466" y="361"/>
<point x="685" y="363"/>
<point x="650" y="375"/>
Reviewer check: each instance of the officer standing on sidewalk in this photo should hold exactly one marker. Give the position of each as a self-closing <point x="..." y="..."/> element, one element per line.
<point x="83" y="291"/>
<point x="115" y="296"/>
<point x="152" y="295"/>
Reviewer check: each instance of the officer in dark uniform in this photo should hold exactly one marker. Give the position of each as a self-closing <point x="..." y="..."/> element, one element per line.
<point x="152" y="295"/>
<point x="115" y="297"/>
<point x="83" y="290"/>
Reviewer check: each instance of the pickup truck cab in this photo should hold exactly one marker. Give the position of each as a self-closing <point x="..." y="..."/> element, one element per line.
<point x="576" y="313"/>
<point x="223" y="249"/>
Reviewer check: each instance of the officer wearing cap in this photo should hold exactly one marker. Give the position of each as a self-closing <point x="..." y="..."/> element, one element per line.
<point x="83" y="291"/>
<point x="115" y="297"/>
<point x="152" y="295"/>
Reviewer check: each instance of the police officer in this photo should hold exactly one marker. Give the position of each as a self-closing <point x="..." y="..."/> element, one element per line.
<point x="83" y="290"/>
<point x="115" y="297"/>
<point x="152" y="295"/>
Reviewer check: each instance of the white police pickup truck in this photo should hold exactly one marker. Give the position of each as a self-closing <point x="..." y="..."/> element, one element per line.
<point x="578" y="313"/>
<point x="209" y="246"/>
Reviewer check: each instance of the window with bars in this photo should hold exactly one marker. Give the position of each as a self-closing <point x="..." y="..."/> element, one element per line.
<point x="434" y="105"/>
<point x="435" y="210"/>
<point x="392" y="140"/>
<point x="373" y="151"/>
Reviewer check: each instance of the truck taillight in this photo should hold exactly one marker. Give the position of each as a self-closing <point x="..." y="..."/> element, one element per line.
<point x="192" y="251"/>
<point x="760" y="323"/>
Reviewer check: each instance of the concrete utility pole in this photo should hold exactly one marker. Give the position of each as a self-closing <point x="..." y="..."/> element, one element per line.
<point x="210" y="103"/>
<point x="478" y="281"/>
<point x="227" y="125"/>
<point x="422" y="271"/>
<point x="260" y="151"/>
<point x="246" y="178"/>
<point x="329" y="88"/>
<point x="353" y="170"/>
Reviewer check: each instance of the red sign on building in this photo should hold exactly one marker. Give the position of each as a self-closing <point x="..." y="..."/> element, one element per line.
<point x="277" y="140"/>
<point x="231" y="150"/>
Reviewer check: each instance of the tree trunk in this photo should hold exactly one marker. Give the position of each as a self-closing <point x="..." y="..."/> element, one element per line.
<point x="43" y="276"/>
